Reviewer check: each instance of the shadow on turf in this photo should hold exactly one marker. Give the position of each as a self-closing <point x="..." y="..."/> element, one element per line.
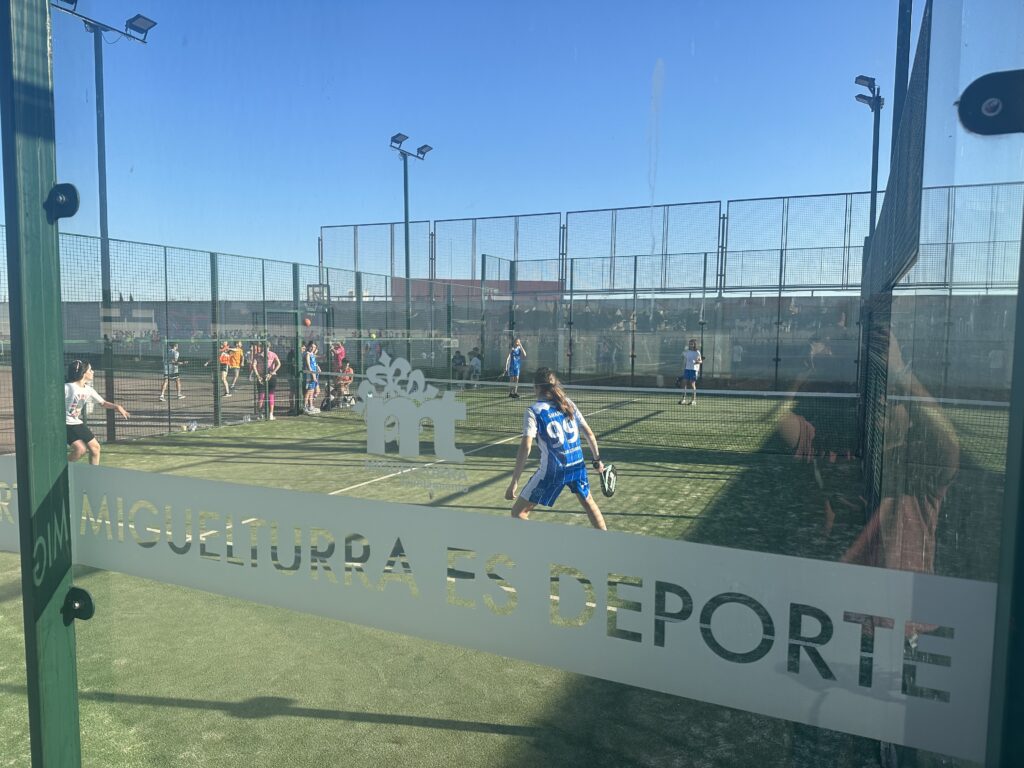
<point x="277" y="706"/>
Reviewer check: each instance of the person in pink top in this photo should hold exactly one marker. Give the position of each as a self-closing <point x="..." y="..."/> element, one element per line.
<point x="265" y="365"/>
<point x="339" y="356"/>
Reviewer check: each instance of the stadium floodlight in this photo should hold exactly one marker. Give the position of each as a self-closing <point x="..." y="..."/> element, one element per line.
<point x="873" y="102"/>
<point x="396" y="143"/>
<point x="62" y="4"/>
<point x="140" y="26"/>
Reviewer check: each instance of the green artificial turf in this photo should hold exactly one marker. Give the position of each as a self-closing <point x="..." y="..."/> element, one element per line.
<point x="176" y="677"/>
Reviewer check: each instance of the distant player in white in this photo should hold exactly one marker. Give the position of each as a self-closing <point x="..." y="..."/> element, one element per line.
<point x="172" y="359"/>
<point x="556" y="423"/>
<point x="692" y="361"/>
<point x="78" y="392"/>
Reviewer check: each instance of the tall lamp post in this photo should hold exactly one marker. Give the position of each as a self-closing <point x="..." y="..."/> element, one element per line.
<point x="874" y="102"/>
<point x="396" y="143"/>
<point x="136" y="28"/>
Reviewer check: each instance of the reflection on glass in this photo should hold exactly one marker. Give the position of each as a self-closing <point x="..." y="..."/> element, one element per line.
<point x="852" y="399"/>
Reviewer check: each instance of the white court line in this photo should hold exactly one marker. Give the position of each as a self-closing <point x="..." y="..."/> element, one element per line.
<point x="443" y="461"/>
<point x="421" y="466"/>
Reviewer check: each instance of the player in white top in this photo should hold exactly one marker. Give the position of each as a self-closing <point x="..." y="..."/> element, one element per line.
<point x="692" y="362"/>
<point x="172" y="361"/>
<point x="78" y="392"/>
<point x="556" y="423"/>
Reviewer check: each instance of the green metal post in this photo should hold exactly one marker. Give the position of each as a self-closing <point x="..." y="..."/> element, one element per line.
<point x="215" y="344"/>
<point x="33" y="263"/>
<point x="1006" y="703"/>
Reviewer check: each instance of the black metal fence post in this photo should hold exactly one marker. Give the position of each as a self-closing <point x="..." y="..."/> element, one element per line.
<point x="448" y="325"/>
<point x="572" y="281"/>
<point x="166" y="336"/>
<point x="215" y="334"/>
<point x="632" y="329"/>
<point x="483" y="307"/>
<point x="359" y="321"/>
<point x="295" y="382"/>
<point x="512" y="301"/>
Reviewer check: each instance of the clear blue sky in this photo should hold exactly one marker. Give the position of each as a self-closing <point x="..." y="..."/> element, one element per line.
<point x="244" y="127"/>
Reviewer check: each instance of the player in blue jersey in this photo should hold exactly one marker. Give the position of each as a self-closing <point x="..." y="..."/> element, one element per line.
<point x="311" y="377"/>
<point x="556" y="423"/>
<point x="514" y="366"/>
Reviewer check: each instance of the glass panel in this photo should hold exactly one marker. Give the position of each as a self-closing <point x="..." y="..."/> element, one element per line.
<point x="834" y="438"/>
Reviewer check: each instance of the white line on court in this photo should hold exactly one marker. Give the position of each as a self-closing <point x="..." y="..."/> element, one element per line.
<point x="442" y="461"/>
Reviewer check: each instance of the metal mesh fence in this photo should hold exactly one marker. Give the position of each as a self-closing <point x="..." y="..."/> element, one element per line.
<point x="378" y="248"/>
<point x="612" y="297"/>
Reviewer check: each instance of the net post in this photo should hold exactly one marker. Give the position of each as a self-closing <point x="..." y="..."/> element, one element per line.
<point x="215" y="327"/>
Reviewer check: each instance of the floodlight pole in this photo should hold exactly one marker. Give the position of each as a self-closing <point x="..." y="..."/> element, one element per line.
<point x="396" y="144"/>
<point x="408" y="274"/>
<point x="106" y="300"/>
<point x="876" y="108"/>
<point x="874" y="103"/>
<point x="96" y="29"/>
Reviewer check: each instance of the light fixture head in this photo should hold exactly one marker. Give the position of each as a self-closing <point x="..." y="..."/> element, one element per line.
<point x="69" y="4"/>
<point x="140" y="25"/>
<point x="867" y="82"/>
<point x="864" y="99"/>
<point x="397" y="139"/>
<point x="422" y="151"/>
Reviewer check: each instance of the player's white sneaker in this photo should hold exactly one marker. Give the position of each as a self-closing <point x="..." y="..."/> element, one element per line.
<point x="181" y="397"/>
<point x="271" y="417"/>
<point x="163" y="399"/>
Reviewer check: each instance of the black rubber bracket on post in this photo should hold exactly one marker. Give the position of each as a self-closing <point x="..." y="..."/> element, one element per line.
<point x="77" y="605"/>
<point x="993" y="104"/>
<point x="61" y="203"/>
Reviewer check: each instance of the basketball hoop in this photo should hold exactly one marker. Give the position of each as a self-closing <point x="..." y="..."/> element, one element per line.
<point x="318" y="297"/>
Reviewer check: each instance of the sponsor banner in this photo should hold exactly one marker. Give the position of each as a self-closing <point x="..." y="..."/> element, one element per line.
<point x="895" y="656"/>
